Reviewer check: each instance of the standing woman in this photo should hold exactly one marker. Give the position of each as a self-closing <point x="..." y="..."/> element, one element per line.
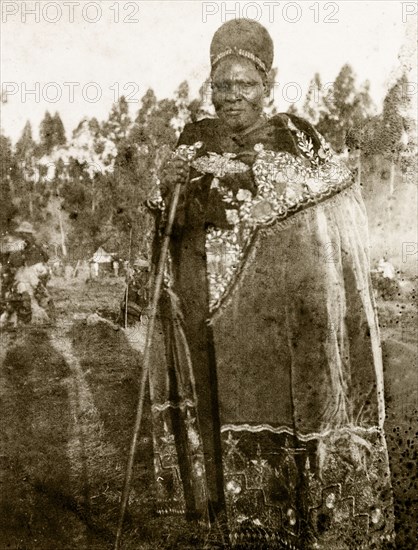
<point x="267" y="395"/>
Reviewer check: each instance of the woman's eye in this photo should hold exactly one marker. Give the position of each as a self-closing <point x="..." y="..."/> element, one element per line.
<point x="220" y="86"/>
<point x="238" y="87"/>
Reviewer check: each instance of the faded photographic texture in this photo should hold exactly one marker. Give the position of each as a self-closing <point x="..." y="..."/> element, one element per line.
<point x="208" y="258"/>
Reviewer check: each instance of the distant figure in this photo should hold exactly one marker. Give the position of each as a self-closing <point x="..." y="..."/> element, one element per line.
<point x="115" y="266"/>
<point x="68" y="272"/>
<point x="57" y="268"/>
<point x="136" y="294"/>
<point x="94" y="270"/>
<point x="25" y="274"/>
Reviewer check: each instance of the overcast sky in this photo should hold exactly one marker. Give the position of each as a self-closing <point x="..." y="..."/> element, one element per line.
<point x="79" y="56"/>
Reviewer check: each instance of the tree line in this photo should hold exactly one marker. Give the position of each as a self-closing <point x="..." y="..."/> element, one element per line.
<point x="89" y="190"/>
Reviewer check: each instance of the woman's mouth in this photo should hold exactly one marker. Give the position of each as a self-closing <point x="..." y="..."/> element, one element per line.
<point x="233" y="112"/>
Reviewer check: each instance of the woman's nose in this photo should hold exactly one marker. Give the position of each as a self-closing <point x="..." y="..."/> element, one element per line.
<point x="233" y="93"/>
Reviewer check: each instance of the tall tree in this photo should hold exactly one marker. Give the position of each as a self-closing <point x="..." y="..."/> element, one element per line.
<point x="25" y="154"/>
<point x="148" y="105"/>
<point x="393" y="135"/>
<point x="46" y="134"/>
<point x="8" y="209"/>
<point x="59" y="137"/>
<point x="340" y="100"/>
<point x="357" y="134"/>
<point x="52" y="133"/>
<point x="182" y="102"/>
<point x="25" y="146"/>
<point x="119" y="122"/>
<point x="316" y="107"/>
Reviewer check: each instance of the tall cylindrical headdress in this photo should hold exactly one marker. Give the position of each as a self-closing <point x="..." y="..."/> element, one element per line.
<point x="245" y="38"/>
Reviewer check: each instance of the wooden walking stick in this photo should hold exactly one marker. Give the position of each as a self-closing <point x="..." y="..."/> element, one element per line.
<point x="159" y="277"/>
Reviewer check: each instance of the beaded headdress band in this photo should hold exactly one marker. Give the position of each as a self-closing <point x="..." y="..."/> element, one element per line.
<point x="242" y="53"/>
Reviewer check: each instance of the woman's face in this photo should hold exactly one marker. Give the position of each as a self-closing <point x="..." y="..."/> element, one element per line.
<point x="238" y="93"/>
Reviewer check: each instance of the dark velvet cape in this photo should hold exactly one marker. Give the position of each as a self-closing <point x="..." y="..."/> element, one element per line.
<point x="198" y="208"/>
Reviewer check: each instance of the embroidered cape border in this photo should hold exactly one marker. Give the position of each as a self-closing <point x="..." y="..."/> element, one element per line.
<point x="290" y="217"/>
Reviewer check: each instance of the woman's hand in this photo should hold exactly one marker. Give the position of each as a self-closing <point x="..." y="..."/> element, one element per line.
<point x="175" y="171"/>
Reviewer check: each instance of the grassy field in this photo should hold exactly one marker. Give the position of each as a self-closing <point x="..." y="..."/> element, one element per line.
<point x="69" y="395"/>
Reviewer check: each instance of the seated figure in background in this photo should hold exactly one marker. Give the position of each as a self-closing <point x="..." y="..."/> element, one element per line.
<point x="25" y="274"/>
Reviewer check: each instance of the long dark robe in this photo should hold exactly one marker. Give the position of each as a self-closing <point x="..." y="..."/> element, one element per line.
<point x="268" y="402"/>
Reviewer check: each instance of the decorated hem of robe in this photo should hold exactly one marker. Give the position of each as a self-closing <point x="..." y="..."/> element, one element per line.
<point x="170" y="498"/>
<point x="256" y="428"/>
<point x="331" y="494"/>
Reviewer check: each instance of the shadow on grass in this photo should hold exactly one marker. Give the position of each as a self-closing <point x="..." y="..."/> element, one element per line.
<point x="36" y="419"/>
<point x="111" y="370"/>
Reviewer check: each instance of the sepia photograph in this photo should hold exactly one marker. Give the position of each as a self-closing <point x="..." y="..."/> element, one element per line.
<point x="208" y="270"/>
